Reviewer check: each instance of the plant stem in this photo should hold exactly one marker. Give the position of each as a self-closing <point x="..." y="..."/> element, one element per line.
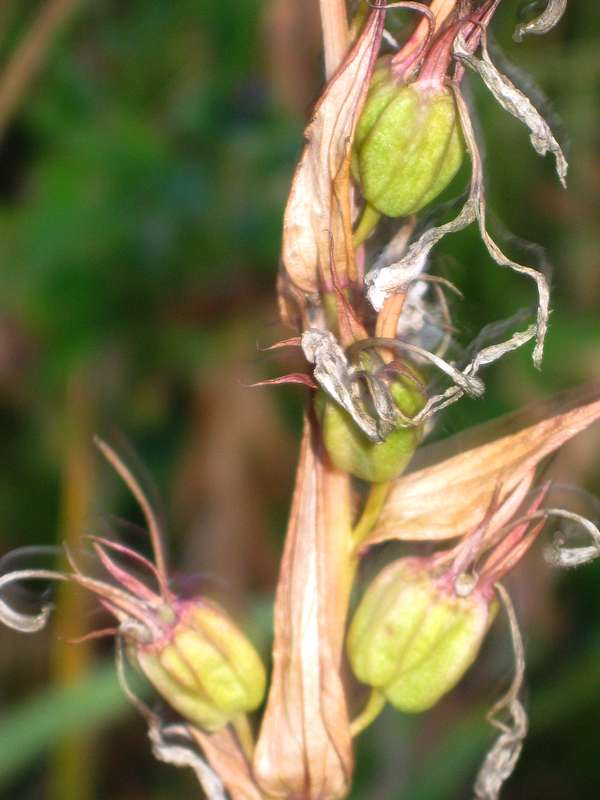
<point x="27" y="60"/>
<point x="372" y="508"/>
<point x="366" y="225"/>
<point x="72" y="761"/>
<point x="374" y="707"/>
<point x="243" y="731"/>
<point x="334" y="21"/>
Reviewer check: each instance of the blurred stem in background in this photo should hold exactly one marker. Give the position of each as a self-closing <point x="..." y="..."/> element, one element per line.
<point x="334" y="20"/>
<point x="27" y="59"/>
<point x="71" y="774"/>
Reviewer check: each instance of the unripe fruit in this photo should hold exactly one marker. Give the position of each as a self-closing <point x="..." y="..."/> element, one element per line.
<point x="413" y="640"/>
<point x="408" y="145"/>
<point x="351" y="451"/>
<point x="204" y="667"/>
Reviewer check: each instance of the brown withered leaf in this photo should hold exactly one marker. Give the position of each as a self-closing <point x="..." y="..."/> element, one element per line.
<point x="304" y="748"/>
<point x="317" y="227"/>
<point x="450" y="497"/>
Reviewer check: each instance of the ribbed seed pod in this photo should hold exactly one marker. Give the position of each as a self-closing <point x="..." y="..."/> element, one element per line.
<point x="408" y="144"/>
<point x="204" y="667"/>
<point x="413" y="640"/>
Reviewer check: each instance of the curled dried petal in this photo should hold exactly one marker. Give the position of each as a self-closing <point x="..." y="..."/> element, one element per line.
<point x="515" y="102"/>
<point x="26" y="623"/>
<point x="169" y="745"/>
<point x="502" y="758"/>
<point x="561" y="556"/>
<point x="333" y="374"/>
<point x="543" y="23"/>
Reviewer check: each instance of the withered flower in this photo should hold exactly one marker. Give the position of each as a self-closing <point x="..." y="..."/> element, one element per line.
<point x="189" y="649"/>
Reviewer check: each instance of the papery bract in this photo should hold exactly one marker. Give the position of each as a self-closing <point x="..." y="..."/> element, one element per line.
<point x="317" y="228"/>
<point x="444" y="500"/>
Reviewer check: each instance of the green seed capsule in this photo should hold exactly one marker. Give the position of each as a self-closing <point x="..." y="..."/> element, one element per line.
<point x="351" y="451"/>
<point x="408" y="145"/>
<point x="205" y="668"/>
<point x="413" y="641"/>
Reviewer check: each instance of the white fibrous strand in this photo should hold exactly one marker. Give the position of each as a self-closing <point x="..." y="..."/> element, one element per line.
<point x="543" y="23"/>
<point x="502" y="758"/>
<point x="515" y="102"/>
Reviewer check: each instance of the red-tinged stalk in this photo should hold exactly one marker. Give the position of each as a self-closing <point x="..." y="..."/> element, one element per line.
<point x="409" y="55"/>
<point x="153" y="527"/>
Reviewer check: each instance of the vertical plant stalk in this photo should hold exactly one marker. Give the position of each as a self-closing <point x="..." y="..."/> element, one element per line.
<point x="26" y="61"/>
<point x="334" y="21"/>
<point x="71" y="771"/>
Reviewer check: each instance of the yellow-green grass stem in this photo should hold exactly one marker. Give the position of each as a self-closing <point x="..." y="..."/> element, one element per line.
<point x="373" y="708"/>
<point x="376" y="498"/>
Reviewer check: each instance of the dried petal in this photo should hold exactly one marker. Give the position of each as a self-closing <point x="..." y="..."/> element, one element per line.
<point x="547" y="20"/>
<point x="502" y="758"/>
<point x="26" y="623"/>
<point x="515" y="102"/>
<point x="450" y="498"/>
<point x="561" y="556"/>
<point x="304" y="748"/>
<point x="333" y="374"/>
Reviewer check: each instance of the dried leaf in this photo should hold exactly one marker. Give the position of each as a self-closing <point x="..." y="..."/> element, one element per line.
<point x="317" y="229"/>
<point x="547" y="20"/>
<point x="515" y="102"/>
<point x="304" y="748"/>
<point x="448" y="499"/>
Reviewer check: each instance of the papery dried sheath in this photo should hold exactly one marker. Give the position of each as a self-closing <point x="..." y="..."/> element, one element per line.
<point x="317" y="228"/>
<point x="304" y="748"/>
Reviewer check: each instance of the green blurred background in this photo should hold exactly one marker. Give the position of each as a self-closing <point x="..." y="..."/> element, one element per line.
<point x="147" y="148"/>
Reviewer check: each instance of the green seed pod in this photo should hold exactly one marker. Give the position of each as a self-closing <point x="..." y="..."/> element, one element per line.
<point x="412" y="640"/>
<point x="408" y="144"/>
<point x="351" y="451"/>
<point x="205" y="667"/>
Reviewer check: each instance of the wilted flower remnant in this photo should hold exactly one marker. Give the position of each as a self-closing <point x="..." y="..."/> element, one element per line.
<point x="189" y="649"/>
<point x="386" y="138"/>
